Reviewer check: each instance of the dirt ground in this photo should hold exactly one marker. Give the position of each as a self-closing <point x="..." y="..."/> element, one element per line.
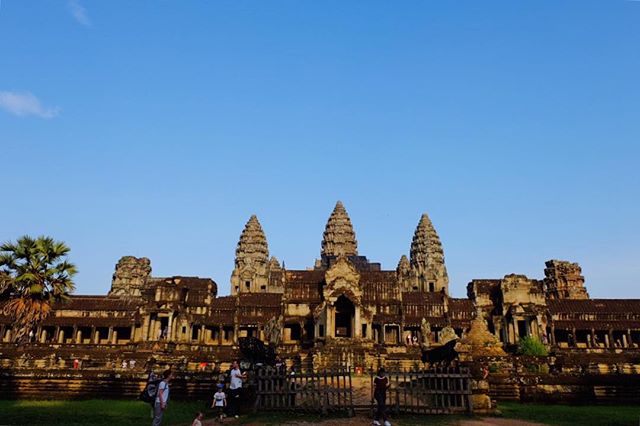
<point x="361" y="420"/>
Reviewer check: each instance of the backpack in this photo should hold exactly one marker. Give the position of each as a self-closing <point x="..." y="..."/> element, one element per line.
<point x="150" y="391"/>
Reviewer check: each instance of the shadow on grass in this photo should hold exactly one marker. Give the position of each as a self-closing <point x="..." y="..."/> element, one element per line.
<point x="572" y="415"/>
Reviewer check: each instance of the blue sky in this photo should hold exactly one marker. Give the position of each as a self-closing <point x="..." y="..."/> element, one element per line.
<point x="156" y="128"/>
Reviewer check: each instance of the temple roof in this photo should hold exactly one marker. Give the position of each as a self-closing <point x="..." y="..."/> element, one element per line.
<point x="98" y="303"/>
<point x="612" y="306"/>
<point x="339" y="238"/>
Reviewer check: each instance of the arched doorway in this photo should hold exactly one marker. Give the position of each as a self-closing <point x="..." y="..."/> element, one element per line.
<point x="345" y="313"/>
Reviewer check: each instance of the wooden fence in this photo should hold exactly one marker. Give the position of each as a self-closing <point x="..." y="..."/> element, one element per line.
<point x="321" y="391"/>
<point x="434" y="391"/>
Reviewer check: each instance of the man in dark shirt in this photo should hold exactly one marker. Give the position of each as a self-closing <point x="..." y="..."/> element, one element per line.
<point x="381" y="384"/>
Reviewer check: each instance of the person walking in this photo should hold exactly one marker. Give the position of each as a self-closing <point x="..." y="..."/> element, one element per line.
<point x="235" y="388"/>
<point x="381" y="384"/>
<point x="162" y="398"/>
<point x="219" y="402"/>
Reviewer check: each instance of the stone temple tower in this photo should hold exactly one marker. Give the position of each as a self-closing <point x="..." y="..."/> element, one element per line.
<point x="252" y="260"/>
<point x="339" y="239"/>
<point x="564" y="280"/>
<point x="426" y="268"/>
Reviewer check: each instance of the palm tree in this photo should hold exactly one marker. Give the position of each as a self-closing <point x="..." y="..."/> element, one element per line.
<point x="34" y="273"/>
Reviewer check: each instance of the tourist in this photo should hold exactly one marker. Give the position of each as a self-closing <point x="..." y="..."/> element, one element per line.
<point x="76" y="363"/>
<point x="31" y="336"/>
<point x="124" y="364"/>
<point x="235" y="388"/>
<point x="132" y="364"/>
<point x="219" y="402"/>
<point x="203" y="366"/>
<point x="162" y="398"/>
<point x="198" y="420"/>
<point x="381" y="384"/>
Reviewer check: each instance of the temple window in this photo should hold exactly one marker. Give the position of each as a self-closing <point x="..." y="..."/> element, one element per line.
<point x="321" y="330"/>
<point x="247" y="285"/>
<point x="263" y="288"/>
<point x="364" y="330"/>
<point x="432" y="287"/>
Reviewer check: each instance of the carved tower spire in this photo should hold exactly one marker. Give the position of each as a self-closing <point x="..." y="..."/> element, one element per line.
<point x="339" y="239"/>
<point x="252" y="258"/>
<point x="428" y="269"/>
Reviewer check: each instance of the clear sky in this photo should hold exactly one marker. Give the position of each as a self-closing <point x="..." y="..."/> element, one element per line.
<point x="156" y="128"/>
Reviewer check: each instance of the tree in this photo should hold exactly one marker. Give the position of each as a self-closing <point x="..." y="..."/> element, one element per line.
<point x="530" y="345"/>
<point x="34" y="274"/>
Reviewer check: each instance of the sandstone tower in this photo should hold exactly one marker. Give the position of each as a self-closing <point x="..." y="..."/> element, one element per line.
<point x="426" y="270"/>
<point x="130" y="277"/>
<point x="564" y="280"/>
<point x="339" y="239"/>
<point x="253" y="268"/>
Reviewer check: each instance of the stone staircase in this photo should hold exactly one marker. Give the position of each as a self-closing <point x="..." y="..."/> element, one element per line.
<point x="501" y="389"/>
<point x="337" y="354"/>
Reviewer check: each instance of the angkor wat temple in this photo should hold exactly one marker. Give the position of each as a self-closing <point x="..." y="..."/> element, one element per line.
<point x="343" y="310"/>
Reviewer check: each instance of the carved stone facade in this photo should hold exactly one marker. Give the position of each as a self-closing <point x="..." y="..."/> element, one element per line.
<point x="564" y="280"/>
<point x="344" y="305"/>
<point x="130" y="277"/>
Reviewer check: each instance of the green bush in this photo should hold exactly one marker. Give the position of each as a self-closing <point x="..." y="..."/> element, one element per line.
<point x="531" y="346"/>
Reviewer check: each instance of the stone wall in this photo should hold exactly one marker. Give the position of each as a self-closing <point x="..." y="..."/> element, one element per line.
<point x="103" y="384"/>
<point x="562" y="379"/>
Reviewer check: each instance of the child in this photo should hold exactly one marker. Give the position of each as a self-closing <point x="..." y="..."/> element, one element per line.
<point x="219" y="401"/>
<point x="198" y="420"/>
<point x="381" y="384"/>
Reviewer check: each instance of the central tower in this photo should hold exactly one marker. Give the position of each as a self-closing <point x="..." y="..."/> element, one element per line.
<point x="339" y="240"/>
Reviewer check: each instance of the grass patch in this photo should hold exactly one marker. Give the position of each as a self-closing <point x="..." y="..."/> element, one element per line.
<point x="92" y="412"/>
<point x="572" y="415"/>
<point x="121" y="413"/>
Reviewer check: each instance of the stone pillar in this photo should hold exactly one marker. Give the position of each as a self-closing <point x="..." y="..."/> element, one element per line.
<point x="59" y="335"/>
<point x="110" y="338"/>
<point x="384" y="334"/>
<point x="330" y="332"/>
<point x="629" y="339"/>
<point x="357" y="332"/>
<point x="609" y="338"/>
<point x="170" y="328"/>
<point x="625" y="344"/>
<point x="201" y="337"/>
<point x="553" y="334"/>
<point x="132" y="335"/>
<point x="93" y="335"/>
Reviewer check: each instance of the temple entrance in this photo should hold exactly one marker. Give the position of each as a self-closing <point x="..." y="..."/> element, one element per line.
<point x="345" y="313"/>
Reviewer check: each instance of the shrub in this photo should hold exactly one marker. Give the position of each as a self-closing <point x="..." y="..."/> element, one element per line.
<point x="531" y="346"/>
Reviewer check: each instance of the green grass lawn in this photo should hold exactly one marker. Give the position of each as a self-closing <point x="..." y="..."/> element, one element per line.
<point x="92" y="412"/>
<point x="121" y="413"/>
<point x="573" y="415"/>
